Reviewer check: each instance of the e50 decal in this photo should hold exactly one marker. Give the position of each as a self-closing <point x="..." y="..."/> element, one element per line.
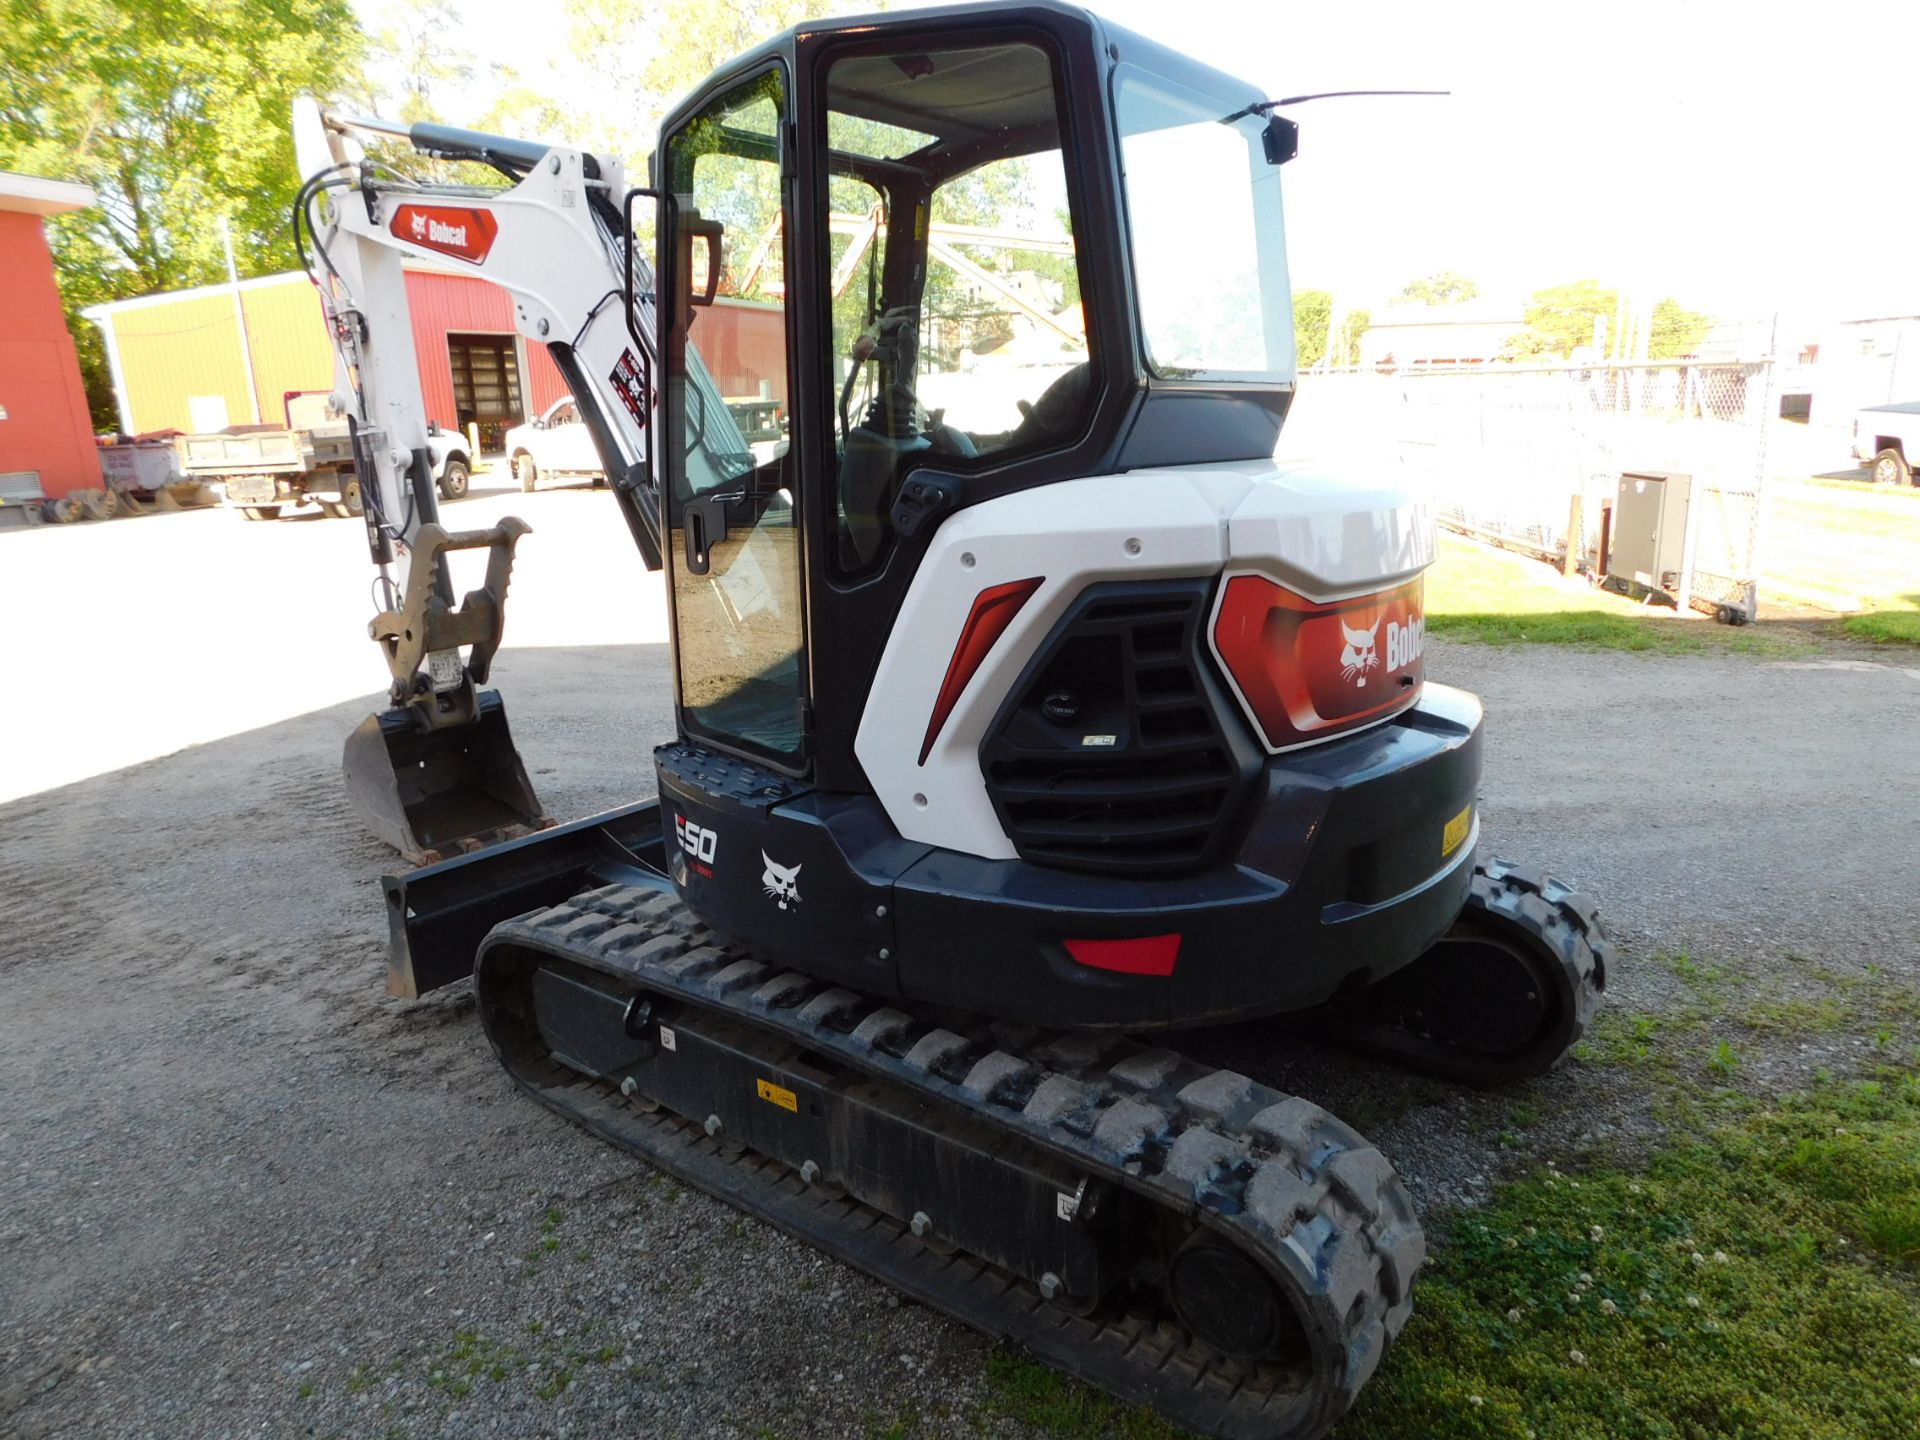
<point x="700" y="843"/>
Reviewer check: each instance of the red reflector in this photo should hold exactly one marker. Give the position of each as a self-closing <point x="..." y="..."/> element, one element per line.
<point x="993" y="610"/>
<point x="1148" y="955"/>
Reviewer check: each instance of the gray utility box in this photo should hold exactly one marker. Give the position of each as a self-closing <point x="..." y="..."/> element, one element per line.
<point x="1650" y="529"/>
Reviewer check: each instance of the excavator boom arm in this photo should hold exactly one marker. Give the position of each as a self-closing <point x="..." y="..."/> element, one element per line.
<point x="436" y="773"/>
<point x="555" y="239"/>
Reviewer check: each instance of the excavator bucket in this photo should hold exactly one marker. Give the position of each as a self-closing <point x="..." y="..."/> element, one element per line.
<point x="436" y="774"/>
<point x="436" y="793"/>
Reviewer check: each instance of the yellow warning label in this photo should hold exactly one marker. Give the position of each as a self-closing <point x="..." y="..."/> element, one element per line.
<point x="777" y="1095"/>
<point x="1455" y="832"/>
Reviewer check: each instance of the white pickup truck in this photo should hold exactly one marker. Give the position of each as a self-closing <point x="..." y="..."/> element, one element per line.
<point x="556" y="445"/>
<point x="1886" y="439"/>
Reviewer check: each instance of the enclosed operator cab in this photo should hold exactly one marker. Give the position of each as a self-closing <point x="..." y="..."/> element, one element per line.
<point x="1018" y="640"/>
<point x="966" y="256"/>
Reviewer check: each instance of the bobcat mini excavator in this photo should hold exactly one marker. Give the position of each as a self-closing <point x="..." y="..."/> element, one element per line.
<point x="1028" y="711"/>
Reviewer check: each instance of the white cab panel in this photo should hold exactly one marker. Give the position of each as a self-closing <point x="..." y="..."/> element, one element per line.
<point x="1303" y="525"/>
<point x="1325" y="536"/>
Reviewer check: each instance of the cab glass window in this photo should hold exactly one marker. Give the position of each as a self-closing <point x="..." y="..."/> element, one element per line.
<point x="1211" y="278"/>
<point x="735" y="562"/>
<point x="959" y="339"/>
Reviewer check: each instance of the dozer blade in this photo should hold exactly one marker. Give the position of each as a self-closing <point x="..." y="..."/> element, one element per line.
<point x="431" y="793"/>
<point x="438" y="915"/>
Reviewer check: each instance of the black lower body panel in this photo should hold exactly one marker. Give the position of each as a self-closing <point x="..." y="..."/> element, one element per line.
<point x="1357" y="857"/>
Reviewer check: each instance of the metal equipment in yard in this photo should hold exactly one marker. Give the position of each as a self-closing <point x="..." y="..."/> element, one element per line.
<point x="263" y="469"/>
<point x="1016" y="732"/>
<point x="143" y="474"/>
<point x="1648" y="539"/>
<point x="1528" y="457"/>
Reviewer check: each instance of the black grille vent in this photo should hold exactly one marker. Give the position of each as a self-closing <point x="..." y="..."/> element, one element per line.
<point x="1112" y="754"/>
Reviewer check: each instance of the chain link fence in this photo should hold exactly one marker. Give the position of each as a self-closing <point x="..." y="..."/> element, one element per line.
<point x="1508" y="450"/>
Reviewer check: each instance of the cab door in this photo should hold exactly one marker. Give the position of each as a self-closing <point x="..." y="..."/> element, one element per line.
<point x="734" y="555"/>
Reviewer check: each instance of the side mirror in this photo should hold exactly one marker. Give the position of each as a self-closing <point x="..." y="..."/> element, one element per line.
<point x="1280" y="139"/>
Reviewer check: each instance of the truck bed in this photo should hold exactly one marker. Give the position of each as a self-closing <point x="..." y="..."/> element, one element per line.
<point x="264" y="450"/>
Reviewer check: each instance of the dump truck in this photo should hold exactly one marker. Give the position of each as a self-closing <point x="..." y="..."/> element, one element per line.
<point x="264" y="470"/>
<point x="1014" y="737"/>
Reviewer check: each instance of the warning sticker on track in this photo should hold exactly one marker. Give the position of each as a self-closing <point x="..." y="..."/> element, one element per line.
<point x="777" y="1095"/>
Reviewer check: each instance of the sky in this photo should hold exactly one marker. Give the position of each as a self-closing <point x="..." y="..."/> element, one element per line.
<point x="1746" y="158"/>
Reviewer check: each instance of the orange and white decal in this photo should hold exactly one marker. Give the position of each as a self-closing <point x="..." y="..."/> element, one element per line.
<point x="1307" y="670"/>
<point x="462" y="233"/>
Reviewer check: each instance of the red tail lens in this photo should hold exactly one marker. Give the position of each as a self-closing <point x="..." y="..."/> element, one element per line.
<point x="1146" y="955"/>
<point x="1306" y="670"/>
<point x="993" y="610"/>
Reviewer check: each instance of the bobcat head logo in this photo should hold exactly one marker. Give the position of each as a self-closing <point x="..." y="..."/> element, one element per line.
<point x="1358" y="655"/>
<point x="419" y="222"/>
<point x="782" y="882"/>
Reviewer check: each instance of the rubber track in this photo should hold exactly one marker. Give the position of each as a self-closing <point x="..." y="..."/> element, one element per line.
<point x="1564" y="931"/>
<point x="1273" y="1174"/>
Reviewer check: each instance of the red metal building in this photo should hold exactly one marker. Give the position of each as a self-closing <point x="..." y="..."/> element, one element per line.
<point x="46" y="437"/>
<point x="223" y="355"/>
<point x="220" y="355"/>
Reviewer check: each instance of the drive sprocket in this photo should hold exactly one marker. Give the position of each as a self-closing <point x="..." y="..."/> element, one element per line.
<point x="1503" y="995"/>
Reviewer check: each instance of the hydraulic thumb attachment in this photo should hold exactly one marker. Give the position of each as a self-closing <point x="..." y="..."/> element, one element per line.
<point x="436" y="773"/>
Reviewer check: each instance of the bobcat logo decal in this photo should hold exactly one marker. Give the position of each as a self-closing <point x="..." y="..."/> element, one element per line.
<point x="419" y="225"/>
<point x="1359" y="654"/>
<point x="781" y="882"/>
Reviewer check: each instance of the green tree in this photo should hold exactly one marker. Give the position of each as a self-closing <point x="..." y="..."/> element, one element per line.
<point x="176" y="113"/>
<point x="1346" y="344"/>
<point x="1444" y="287"/>
<point x="1311" y="311"/>
<point x="647" y="54"/>
<point x="420" y="66"/>
<point x="1560" y="319"/>
<point x="1676" y="332"/>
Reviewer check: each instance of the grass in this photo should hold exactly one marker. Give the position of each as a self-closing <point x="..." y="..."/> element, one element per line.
<point x="1722" y="1013"/>
<point x="1846" y="547"/>
<point x="1810" y="1325"/>
<point x="1762" y="1279"/>
<point x="1025" y="1390"/>
<point x="1885" y="627"/>
<point x="1495" y="597"/>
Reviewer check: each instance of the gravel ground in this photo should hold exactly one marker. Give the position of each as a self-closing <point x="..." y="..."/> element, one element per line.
<point x="241" y="1191"/>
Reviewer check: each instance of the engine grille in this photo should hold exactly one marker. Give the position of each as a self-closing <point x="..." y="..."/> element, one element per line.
<point x="1112" y="754"/>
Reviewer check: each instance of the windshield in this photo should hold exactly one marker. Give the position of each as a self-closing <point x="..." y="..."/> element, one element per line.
<point x="1209" y="247"/>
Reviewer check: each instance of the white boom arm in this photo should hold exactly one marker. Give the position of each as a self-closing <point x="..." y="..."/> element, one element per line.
<point x="554" y="240"/>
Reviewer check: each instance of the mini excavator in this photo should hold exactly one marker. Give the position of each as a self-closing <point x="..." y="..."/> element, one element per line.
<point x="1028" y="712"/>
